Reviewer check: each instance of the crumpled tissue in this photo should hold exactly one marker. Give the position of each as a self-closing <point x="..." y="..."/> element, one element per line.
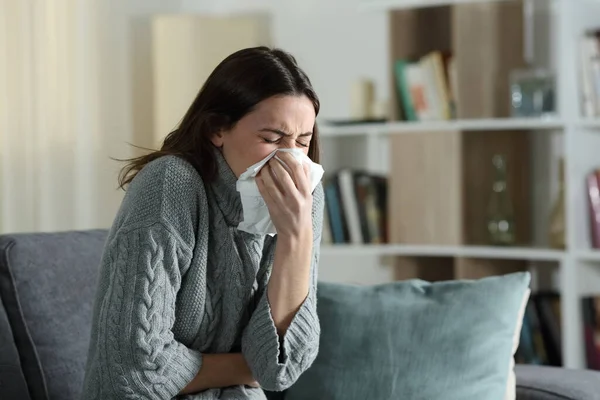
<point x="256" y="218"/>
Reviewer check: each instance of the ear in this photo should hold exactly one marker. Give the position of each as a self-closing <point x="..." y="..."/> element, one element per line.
<point x="217" y="139"/>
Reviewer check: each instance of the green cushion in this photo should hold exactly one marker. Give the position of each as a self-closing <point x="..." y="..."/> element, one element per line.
<point x="414" y="340"/>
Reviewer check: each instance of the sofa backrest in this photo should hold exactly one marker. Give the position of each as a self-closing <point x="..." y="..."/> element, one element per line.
<point x="12" y="380"/>
<point x="47" y="286"/>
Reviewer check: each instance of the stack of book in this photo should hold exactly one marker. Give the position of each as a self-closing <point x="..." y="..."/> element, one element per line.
<point x="356" y="208"/>
<point x="591" y="328"/>
<point x="593" y="187"/>
<point x="540" y="341"/>
<point x="425" y="87"/>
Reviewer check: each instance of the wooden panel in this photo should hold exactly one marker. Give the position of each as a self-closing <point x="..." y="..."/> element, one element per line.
<point x="476" y="268"/>
<point x="143" y="86"/>
<point x="185" y="50"/>
<point x="414" y="33"/>
<point x="478" y="150"/>
<point x="488" y="44"/>
<point x="425" y="197"/>
<point x="430" y="269"/>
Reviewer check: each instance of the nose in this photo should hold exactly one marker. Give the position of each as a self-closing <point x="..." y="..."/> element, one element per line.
<point x="289" y="143"/>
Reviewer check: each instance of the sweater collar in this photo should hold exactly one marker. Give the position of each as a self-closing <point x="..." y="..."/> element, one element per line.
<point x="224" y="188"/>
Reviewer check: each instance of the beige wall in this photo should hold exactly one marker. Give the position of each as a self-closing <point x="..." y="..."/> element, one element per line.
<point x="185" y="50"/>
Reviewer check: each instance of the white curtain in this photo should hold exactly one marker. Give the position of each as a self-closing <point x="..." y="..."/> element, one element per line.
<point x="55" y="172"/>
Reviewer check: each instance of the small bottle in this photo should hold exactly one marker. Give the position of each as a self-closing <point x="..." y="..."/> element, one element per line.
<point x="500" y="223"/>
<point x="556" y="225"/>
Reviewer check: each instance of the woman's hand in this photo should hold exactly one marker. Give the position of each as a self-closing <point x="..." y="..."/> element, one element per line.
<point x="288" y="195"/>
<point x="219" y="371"/>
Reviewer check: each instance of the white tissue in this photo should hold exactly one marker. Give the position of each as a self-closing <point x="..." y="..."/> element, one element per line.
<point x="256" y="214"/>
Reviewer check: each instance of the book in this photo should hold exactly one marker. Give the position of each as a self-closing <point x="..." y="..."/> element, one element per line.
<point x="335" y="217"/>
<point x="356" y="204"/>
<point x="362" y="186"/>
<point x="437" y="79"/>
<point x="350" y="206"/>
<point x="540" y="340"/>
<point x="594" y="207"/>
<point x="404" y="94"/>
<point x="589" y="70"/>
<point x="415" y="78"/>
<point x="424" y="87"/>
<point x="547" y="305"/>
<point x="591" y="332"/>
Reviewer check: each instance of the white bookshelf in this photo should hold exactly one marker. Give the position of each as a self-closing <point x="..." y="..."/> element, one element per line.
<point x="408" y="4"/>
<point x="379" y="5"/>
<point x="590" y="123"/>
<point x="497" y="124"/>
<point x="589" y="256"/>
<point x="505" y="253"/>
<point x="572" y="137"/>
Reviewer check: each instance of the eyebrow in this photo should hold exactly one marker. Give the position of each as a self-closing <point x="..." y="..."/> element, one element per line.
<point x="282" y="133"/>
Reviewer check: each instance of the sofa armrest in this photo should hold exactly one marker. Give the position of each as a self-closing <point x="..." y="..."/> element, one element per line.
<point x="549" y="383"/>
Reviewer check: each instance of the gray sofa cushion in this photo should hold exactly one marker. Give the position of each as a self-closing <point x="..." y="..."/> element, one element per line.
<point x="548" y="383"/>
<point x="50" y="280"/>
<point x="12" y="381"/>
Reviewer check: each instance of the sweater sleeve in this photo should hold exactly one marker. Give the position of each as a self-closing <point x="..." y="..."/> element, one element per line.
<point x="138" y="355"/>
<point x="278" y="362"/>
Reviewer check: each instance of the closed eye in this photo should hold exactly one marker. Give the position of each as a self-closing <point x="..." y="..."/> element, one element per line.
<point x="276" y="141"/>
<point x="282" y="135"/>
<point x="272" y="141"/>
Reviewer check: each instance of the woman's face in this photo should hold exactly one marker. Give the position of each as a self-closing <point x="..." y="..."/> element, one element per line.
<point x="275" y="123"/>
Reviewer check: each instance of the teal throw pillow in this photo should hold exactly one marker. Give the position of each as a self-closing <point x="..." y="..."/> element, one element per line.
<point x="414" y="340"/>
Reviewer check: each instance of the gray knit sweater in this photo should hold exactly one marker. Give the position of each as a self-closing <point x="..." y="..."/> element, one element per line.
<point x="177" y="279"/>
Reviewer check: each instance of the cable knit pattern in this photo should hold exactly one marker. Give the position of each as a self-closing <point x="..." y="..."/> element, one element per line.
<point x="178" y="279"/>
<point x="260" y="341"/>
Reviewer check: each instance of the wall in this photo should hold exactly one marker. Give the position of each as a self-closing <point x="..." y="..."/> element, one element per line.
<point x="335" y="43"/>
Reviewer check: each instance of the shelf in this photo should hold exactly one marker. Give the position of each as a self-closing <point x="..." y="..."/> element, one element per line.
<point x="382" y="5"/>
<point x="589" y="123"/>
<point x="589" y="255"/>
<point x="387" y="5"/>
<point x="497" y="124"/>
<point x="506" y="253"/>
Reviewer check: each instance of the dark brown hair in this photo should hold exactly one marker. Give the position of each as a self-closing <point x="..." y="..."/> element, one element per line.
<point x="233" y="89"/>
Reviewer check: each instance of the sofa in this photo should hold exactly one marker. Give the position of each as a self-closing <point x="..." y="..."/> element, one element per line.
<point x="47" y="284"/>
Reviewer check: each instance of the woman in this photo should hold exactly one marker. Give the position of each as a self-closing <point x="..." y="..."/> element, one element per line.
<point x="187" y="305"/>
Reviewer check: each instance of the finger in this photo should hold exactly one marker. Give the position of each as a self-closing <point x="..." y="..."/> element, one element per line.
<point x="296" y="170"/>
<point x="286" y="160"/>
<point x="277" y="176"/>
<point x="264" y="192"/>
<point x="282" y="177"/>
<point x="270" y="185"/>
<point x="306" y="167"/>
